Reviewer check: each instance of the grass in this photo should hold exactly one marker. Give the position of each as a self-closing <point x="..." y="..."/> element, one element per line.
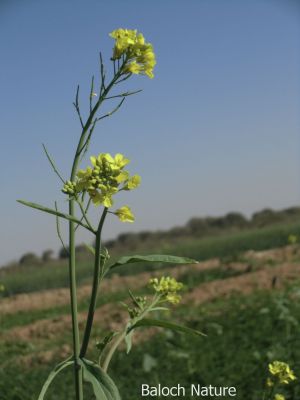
<point x="245" y="333"/>
<point x="55" y="274"/>
<point x="255" y="324"/>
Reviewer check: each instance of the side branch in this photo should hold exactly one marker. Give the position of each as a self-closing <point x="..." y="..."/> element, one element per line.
<point x="76" y="105"/>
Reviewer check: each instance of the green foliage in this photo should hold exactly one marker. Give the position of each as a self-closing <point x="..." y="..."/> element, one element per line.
<point x="60" y="367"/>
<point x="263" y="327"/>
<point x="55" y="274"/>
<point x="29" y="259"/>
<point x="146" y="322"/>
<point x="153" y="258"/>
<point x="103" y="386"/>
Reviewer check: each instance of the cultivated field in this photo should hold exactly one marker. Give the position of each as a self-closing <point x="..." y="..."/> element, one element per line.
<point x="245" y="296"/>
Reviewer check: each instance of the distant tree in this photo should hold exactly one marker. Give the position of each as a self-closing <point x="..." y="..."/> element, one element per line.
<point x="197" y="225"/>
<point x="145" y="235"/>
<point x="109" y="244"/>
<point x="265" y="217"/>
<point x="82" y="251"/>
<point x="47" y="255"/>
<point x="235" y="219"/>
<point x="176" y="232"/>
<point x="129" y="240"/>
<point x="29" y="258"/>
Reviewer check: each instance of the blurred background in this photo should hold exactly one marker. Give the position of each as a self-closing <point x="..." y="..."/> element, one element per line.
<point x="215" y="137"/>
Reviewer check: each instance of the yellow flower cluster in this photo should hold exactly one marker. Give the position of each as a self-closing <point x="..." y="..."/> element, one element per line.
<point x="167" y="287"/>
<point x="105" y="178"/>
<point x="292" y="239"/>
<point x="138" y="55"/>
<point x="281" y="373"/>
<point x="279" y="397"/>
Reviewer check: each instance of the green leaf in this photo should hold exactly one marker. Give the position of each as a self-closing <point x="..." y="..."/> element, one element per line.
<point x="128" y="341"/>
<point x="167" y="325"/>
<point x="133" y="298"/>
<point x="90" y="248"/>
<point x="53" y="164"/>
<point x="54" y="212"/>
<point x="103" y="386"/>
<point x="128" y="338"/>
<point x="52" y="375"/>
<point x="153" y="258"/>
<point x="105" y="341"/>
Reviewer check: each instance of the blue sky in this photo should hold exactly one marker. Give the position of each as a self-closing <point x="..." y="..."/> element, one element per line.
<point x="216" y="130"/>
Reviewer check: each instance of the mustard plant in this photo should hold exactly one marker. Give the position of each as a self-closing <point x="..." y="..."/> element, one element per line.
<point x="97" y="185"/>
<point x="280" y="374"/>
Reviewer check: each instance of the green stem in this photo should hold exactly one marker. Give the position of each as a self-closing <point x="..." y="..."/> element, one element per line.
<point x="84" y="214"/>
<point x="96" y="280"/>
<point x="112" y="350"/>
<point x="74" y="311"/>
<point x="123" y="334"/>
<point x="72" y="258"/>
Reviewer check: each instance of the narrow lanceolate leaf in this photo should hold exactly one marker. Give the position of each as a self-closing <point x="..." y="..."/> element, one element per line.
<point x="153" y="258"/>
<point x="54" y="212"/>
<point x="103" y="386"/>
<point x="167" y="325"/>
<point x="52" y="375"/>
<point x="90" y="248"/>
<point x="105" y="341"/>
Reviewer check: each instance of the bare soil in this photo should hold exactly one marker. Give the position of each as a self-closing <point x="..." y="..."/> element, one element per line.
<point x="265" y="276"/>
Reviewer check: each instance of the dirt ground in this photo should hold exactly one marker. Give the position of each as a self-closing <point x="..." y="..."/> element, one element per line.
<point x="272" y="270"/>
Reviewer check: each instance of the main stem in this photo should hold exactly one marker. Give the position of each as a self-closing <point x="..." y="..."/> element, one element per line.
<point x="74" y="311"/>
<point x="73" y="286"/>
<point x="72" y="258"/>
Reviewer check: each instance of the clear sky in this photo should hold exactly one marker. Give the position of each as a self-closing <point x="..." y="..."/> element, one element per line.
<point x="216" y="130"/>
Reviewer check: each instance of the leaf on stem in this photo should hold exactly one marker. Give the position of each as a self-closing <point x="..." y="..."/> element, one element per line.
<point x="167" y="325"/>
<point x="103" y="386"/>
<point x="53" y="164"/>
<point x="128" y="341"/>
<point x="106" y="340"/>
<point x="90" y="248"/>
<point x="53" y="374"/>
<point x="153" y="258"/>
<point x="58" y="230"/>
<point x="54" y="212"/>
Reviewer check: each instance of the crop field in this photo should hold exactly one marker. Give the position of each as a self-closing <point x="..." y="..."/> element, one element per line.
<point x="244" y="294"/>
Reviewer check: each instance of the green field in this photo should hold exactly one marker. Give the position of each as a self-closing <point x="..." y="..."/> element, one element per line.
<point x="244" y="332"/>
<point x="227" y="246"/>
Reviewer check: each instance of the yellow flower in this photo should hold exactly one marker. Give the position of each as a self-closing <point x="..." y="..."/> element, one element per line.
<point x="279" y="397"/>
<point x="133" y="68"/>
<point x="173" y="298"/>
<point x="139" y="57"/>
<point x="125" y="214"/>
<point x="123" y="176"/>
<point x="120" y="161"/>
<point x="269" y="382"/>
<point x="124" y="38"/>
<point x="133" y="182"/>
<point x="282" y="372"/>
<point x="104" y="179"/>
<point x="292" y="239"/>
<point x="167" y="287"/>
